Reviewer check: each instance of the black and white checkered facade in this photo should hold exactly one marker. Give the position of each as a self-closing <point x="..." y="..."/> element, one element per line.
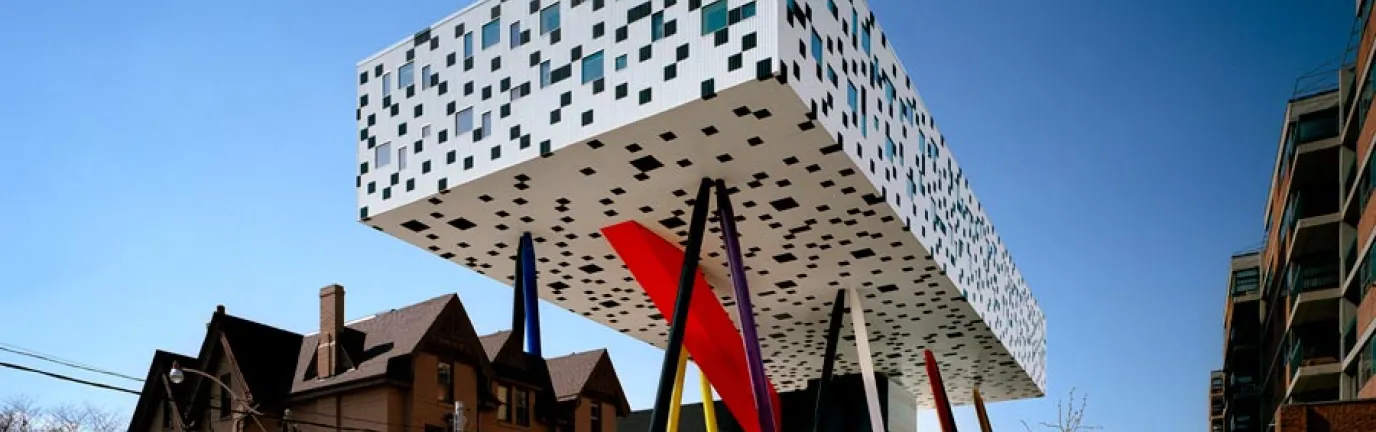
<point x="508" y="117"/>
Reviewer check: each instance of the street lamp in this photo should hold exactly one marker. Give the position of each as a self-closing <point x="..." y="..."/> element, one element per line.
<point x="178" y="374"/>
<point x="458" y="416"/>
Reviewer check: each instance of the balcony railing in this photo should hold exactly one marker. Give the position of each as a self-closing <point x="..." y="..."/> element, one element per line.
<point x="1308" y="277"/>
<point x="1318" y="352"/>
<point x="1349" y="337"/>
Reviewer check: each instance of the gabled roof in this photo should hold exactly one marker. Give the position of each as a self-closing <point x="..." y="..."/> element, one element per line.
<point x="154" y="389"/>
<point x="493" y="343"/>
<point x="372" y="342"/>
<point x="257" y="349"/>
<point x="585" y="373"/>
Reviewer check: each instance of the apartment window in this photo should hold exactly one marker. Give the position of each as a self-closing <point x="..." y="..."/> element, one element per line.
<point x="544" y="74"/>
<point x="714" y="17"/>
<point x="401" y="158"/>
<point x="504" y="403"/>
<point x="444" y="377"/>
<point x="522" y="403"/>
<point x="657" y="26"/>
<point x="854" y="23"/>
<point x="464" y="124"/>
<point x="816" y="47"/>
<point x="406" y="75"/>
<point x="621" y="62"/>
<point x="889" y="148"/>
<point x="492" y="33"/>
<point x="514" y="34"/>
<point x="226" y="401"/>
<point x="747" y="10"/>
<point x="592" y="67"/>
<point x="382" y="155"/>
<point x="1316" y="126"/>
<point x="425" y="77"/>
<point x="549" y="19"/>
<point x="1246" y="280"/>
<point x="865" y="40"/>
<point x="487" y="125"/>
<point x="386" y="85"/>
<point x="595" y="416"/>
<point x="425" y="131"/>
<point x="852" y="97"/>
<point x="468" y="45"/>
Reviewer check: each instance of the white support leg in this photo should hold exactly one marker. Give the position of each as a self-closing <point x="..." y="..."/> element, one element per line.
<point x="862" y="347"/>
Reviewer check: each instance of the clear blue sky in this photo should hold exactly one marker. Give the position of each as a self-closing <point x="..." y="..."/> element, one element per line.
<point x="163" y="157"/>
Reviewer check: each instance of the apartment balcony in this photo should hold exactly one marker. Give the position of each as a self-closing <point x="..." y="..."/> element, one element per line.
<point x="1217" y="407"/>
<point x="1313" y="363"/>
<point x="1314" y="289"/>
<point x="1217" y="382"/>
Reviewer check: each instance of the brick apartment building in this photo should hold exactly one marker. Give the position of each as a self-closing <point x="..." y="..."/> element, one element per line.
<point x="1299" y="351"/>
<point x="404" y="370"/>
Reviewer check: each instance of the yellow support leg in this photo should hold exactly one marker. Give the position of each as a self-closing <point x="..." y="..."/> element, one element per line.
<point x="709" y="408"/>
<point x="677" y="395"/>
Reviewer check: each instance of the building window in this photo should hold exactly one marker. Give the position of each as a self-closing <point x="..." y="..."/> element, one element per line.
<point x="549" y="19"/>
<point x="425" y="131"/>
<point x="1316" y="126"/>
<point x="522" y="403"/>
<point x="464" y="122"/>
<point x="865" y="40"/>
<point x="747" y="10"/>
<point x="816" y="47"/>
<point x="382" y="155"/>
<point x="657" y="26"/>
<point x="444" y="375"/>
<point x="592" y="67"/>
<point x="714" y="17"/>
<point x="595" y="416"/>
<point x="487" y="126"/>
<point x="406" y="75"/>
<point x="492" y="33"/>
<point x="852" y="97"/>
<point x="425" y="77"/>
<point x="401" y="158"/>
<point x="386" y="85"/>
<point x="468" y="45"/>
<point x="544" y="74"/>
<point x="503" y="403"/>
<point x="226" y="401"/>
<point x="621" y="62"/>
<point x="515" y="34"/>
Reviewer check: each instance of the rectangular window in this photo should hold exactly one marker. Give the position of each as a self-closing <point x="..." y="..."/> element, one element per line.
<point x="425" y="77"/>
<point x="515" y="34"/>
<point x="386" y="85"/>
<point x="522" y="403"/>
<point x="852" y="97"/>
<point x="406" y="75"/>
<point x="595" y="416"/>
<point x="544" y="74"/>
<point x="464" y="123"/>
<point x="865" y="40"/>
<point x="657" y="26"/>
<point x="889" y="148"/>
<point x="468" y="45"/>
<point x="621" y="62"/>
<point x="487" y="125"/>
<point x="816" y="47"/>
<point x="503" y="403"/>
<point x="549" y="19"/>
<point x="854" y="23"/>
<point x="492" y="33"/>
<point x="747" y="10"/>
<point x="226" y="401"/>
<point x="714" y="17"/>
<point x="425" y="131"/>
<point x="592" y="67"/>
<point x="1316" y="126"/>
<point x="382" y="155"/>
<point x="401" y="158"/>
<point x="444" y="377"/>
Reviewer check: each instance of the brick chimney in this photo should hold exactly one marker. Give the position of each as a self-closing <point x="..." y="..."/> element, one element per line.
<point x="331" y="327"/>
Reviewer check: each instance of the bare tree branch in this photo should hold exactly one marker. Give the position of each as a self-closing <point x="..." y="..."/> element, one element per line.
<point x="1069" y="416"/>
<point x="21" y="414"/>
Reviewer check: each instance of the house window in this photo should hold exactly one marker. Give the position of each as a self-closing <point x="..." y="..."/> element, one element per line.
<point x="503" y="403"/>
<point x="464" y="122"/>
<point x="595" y="416"/>
<point x="515" y="34"/>
<point x="492" y="33"/>
<point x="445" y="378"/>
<point x="401" y="158"/>
<point x="522" y="404"/>
<point x="382" y="155"/>
<point x="657" y="26"/>
<point x="549" y="19"/>
<point x="226" y="401"/>
<point x="406" y="75"/>
<point x="386" y="85"/>
<point x="714" y="17"/>
<point x="592" y="67"/>
<point x="468" y="45"/>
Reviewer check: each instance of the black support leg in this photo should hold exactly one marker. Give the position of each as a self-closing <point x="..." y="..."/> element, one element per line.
<point x="819" y="410"/>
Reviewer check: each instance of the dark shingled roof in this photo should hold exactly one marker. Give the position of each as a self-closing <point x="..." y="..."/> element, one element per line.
<point x="493" y="343"/>
<point x="569" y="374"/>
<point x="386" y="335"/>
<point x="155" y="388"/>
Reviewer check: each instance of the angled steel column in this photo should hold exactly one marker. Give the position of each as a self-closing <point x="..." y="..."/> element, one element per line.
<point x="518" y="302"/>
<point x="759" y="382"/>
<point x="659" y="418"/>
<point x="862" y="348"/>
<point x="838" y="307"/>
<point x="676" y="409"/>
<point x="943" y="405"/>
<point x="531" y="293"/>
<point x="709" y="406"/>
<point x="981" y="413"/>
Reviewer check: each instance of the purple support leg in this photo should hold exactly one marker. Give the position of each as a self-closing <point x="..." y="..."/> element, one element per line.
<point x="758" y="381"/>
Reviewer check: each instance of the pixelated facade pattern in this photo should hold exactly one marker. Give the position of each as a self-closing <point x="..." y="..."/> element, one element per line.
<point x="563" y="117"/>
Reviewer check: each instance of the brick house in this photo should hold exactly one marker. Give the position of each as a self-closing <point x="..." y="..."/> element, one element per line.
<point x="404" y="370"/>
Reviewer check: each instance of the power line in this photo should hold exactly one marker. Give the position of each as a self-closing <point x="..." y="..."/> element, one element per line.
<point x="68" y="378"/>
<point x="53" y="359"/>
